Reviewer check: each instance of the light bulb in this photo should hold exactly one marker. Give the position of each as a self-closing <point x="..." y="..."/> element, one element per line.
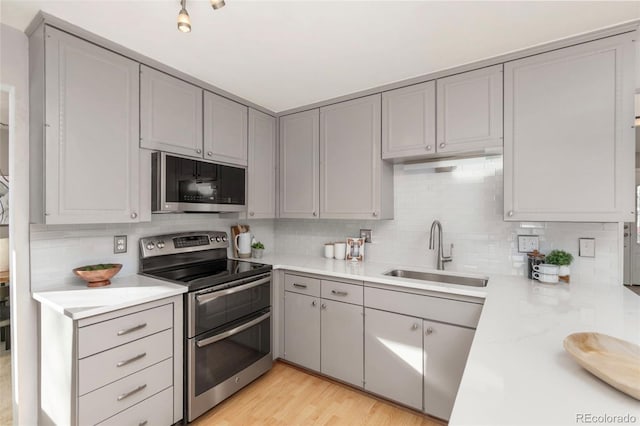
<point x="184" y="22"/>
<point x="217" y="4"/>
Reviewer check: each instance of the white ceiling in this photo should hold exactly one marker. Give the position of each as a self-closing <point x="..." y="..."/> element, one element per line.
<point x="285" y="54"/>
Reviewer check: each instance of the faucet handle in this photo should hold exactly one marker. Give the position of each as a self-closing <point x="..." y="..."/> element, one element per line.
<point x="450" y="257"/>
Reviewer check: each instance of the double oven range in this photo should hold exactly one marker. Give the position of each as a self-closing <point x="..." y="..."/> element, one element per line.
<point x="227" y="313"/>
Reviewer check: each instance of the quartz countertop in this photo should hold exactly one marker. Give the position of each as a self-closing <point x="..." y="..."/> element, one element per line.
<point x="518" y="372"/>
<point x="77" y="301"/>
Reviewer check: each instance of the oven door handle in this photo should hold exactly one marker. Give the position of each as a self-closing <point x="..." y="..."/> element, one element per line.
<point x="207" y="297"/>
<point x="238" y="329"/>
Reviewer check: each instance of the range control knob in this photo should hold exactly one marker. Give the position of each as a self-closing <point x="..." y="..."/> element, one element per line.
<point x="160" y="244"/>
<point x="150" y="246"/>
<point x="218" y="239"/>
<point x="212" y="239"/>
<point x="224" y="238"/>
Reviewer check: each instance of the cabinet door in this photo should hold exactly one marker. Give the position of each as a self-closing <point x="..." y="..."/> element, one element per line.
<point x="170" y="114"/>
<point x="341" y="341"/>
<point x="299" y="141"/>
<point x="262" y="166"/>
<point x="446" y="348"/>
<point x="225" y="130"/>
<point x="302" y="330"/>
<point x="350" y="166"/>
<point x="569" y="147"/>
<point x="393" y="356"/>
<point x="91" y="148"/>
<point x="409" y="121"/>
<point x="470" y="110"/>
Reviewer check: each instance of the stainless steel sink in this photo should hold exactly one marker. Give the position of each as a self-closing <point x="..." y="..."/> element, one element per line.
<point x="440" y="278"/>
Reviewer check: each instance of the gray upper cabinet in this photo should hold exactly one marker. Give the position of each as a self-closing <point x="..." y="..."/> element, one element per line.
<point x="409" y="121"/>
<point x="569" y="137"/>
<point x="354" y="181"/>
<point x="170" y="114"/>
<point x="261" y="197"/>
<point x="299" y="165"/>
<point x="225" y="130"/>
<point x="91" y="115"/>
<point x="470" y="111"/>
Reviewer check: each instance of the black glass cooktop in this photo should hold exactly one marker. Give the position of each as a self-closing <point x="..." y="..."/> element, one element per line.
<point x="213" y="273"/>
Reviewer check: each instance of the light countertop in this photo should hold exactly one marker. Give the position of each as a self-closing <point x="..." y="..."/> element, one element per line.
<point x="77" y="301"/>
<point x="518" y="372"/>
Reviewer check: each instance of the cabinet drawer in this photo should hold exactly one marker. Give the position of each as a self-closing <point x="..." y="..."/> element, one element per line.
<point x="108" y="334"/>
<point x="450" y="311"/>
<point x="118" y="396"/>
<point x="341" y="292"/>
<point x="108" y="366"/>
<point x="154" y="411"/>
<point x="301" y="284"/>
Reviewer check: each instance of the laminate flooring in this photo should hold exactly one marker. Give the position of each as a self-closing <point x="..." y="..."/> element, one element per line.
<point x="6" y="417"/>
<point x="289" y="396"/>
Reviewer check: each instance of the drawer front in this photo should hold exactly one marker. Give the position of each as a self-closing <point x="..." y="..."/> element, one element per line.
<point x="302" y="284"/>
<point x="118" y="396"/>
<point x="342" y="292"/>
<point x="108" y="366"/>
<point x="118" y="331"/>
<point x="434" y="308"/>
<point x="154" y="411"/>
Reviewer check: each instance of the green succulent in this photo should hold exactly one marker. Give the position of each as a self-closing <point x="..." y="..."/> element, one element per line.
<point x="257" y="245"/>
<point x="559" y="257"/>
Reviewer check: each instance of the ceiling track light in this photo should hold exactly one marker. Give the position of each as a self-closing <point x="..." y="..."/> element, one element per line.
<point x="184" y="22"/>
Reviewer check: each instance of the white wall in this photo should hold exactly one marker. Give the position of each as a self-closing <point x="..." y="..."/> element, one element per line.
<point x="469" y="203"/>
<point x="56" y="250"/>
<point x="14" y="76"/>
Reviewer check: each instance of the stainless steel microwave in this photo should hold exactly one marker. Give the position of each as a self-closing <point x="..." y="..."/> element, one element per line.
<point x="181" y="184"/>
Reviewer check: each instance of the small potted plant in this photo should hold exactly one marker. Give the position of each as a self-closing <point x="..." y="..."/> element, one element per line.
<point x="563" y="260"/>
<point x="257" y="249"/>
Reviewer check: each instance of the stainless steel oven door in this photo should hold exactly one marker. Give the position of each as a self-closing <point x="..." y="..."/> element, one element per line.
<point x="223" y="361"/>
<point x="209" y="309"/>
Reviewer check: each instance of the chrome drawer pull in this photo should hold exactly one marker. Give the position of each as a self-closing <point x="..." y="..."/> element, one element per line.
<point x="299" y="285"/>
<point x="143" y="423"/>
<point x="132" y="329"/>
<point x="128" y="394"/>
<point x="130" y="360"/>
<point x="339" y="293"/>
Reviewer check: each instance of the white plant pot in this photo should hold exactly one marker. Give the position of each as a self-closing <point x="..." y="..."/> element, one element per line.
<point x="564" y="271"/>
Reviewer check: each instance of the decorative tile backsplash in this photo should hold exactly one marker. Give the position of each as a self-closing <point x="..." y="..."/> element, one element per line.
<point x="467" y="200"/>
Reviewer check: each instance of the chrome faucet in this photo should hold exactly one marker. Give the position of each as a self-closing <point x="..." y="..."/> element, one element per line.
<point x="440" y="257"/>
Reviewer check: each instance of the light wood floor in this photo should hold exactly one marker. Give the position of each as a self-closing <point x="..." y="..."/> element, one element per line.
<point x="288" y="396"/>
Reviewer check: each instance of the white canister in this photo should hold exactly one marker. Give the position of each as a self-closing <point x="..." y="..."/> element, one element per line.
<point x="328" y="251"/>
<point x="545" y="278"/>
<point x="546" y="268"/>
<point x="339" y="250"/>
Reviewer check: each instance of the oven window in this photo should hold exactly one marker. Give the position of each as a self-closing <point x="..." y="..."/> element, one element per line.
<point x="216" y="312"/>
<point x="222" y="359"/>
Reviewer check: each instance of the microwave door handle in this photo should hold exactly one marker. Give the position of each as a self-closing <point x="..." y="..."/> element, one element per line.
<point x="238" y="329"/>
<point x="207" y="297"/>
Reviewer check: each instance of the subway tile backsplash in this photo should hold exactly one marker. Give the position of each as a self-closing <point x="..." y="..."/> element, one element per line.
<point x="468" y="201"/>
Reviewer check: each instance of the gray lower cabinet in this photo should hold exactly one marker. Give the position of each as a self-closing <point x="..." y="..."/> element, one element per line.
<point x="225" y="130"/>
<point x="170" y="114"/>
<point x="446" y="348"/>
<point x="341" y="349"/>
<point x="393" y="366"/>
<point x="299" y="165"/>
<point x="85" y="165"/>
<point x="302" y="330"/>
<point x="354" y="181"/>
<point x="262" y="162"/>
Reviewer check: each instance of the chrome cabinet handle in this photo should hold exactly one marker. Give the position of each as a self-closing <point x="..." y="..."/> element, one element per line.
<point x="375" y="214"/>
<point x="442" y="145"/>
<point x="315" y="214"/>
<point x="132" y="329"/>
<point x="314" y="303"/>
<point x="143" y="423"/>
<point x="134" y="215"/>
<point x="199" y="151"/>
<point x="130" y="360"/>
<point x="323" y="306"/>
<point x="299" y="285"/>
<point x="209" y="153"/>
<point x="339" y="293"/>
<point x="238" y="329"/>
<point x="132" y="392"/>
<point x="251" y="213"/>
<point x="429" y="331"/>
<point x="428" y="147"/>
<point x="414" y="326"/>
<point x="510" y="213"/>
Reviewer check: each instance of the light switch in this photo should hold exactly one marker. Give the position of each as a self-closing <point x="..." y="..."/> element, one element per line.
<point x="120" y="244"/>
<point x="527" y="243"/>
<point x="587" y="247"/>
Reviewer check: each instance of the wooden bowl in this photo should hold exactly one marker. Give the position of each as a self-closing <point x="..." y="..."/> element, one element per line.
<point x="98" y="277"/>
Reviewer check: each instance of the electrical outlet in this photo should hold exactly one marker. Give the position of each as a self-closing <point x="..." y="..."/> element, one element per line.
<point x="366" y="234"/>
<point x="587" y="247"/>
<point x="120" y="244"/>
<point x="527" y="243"/>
